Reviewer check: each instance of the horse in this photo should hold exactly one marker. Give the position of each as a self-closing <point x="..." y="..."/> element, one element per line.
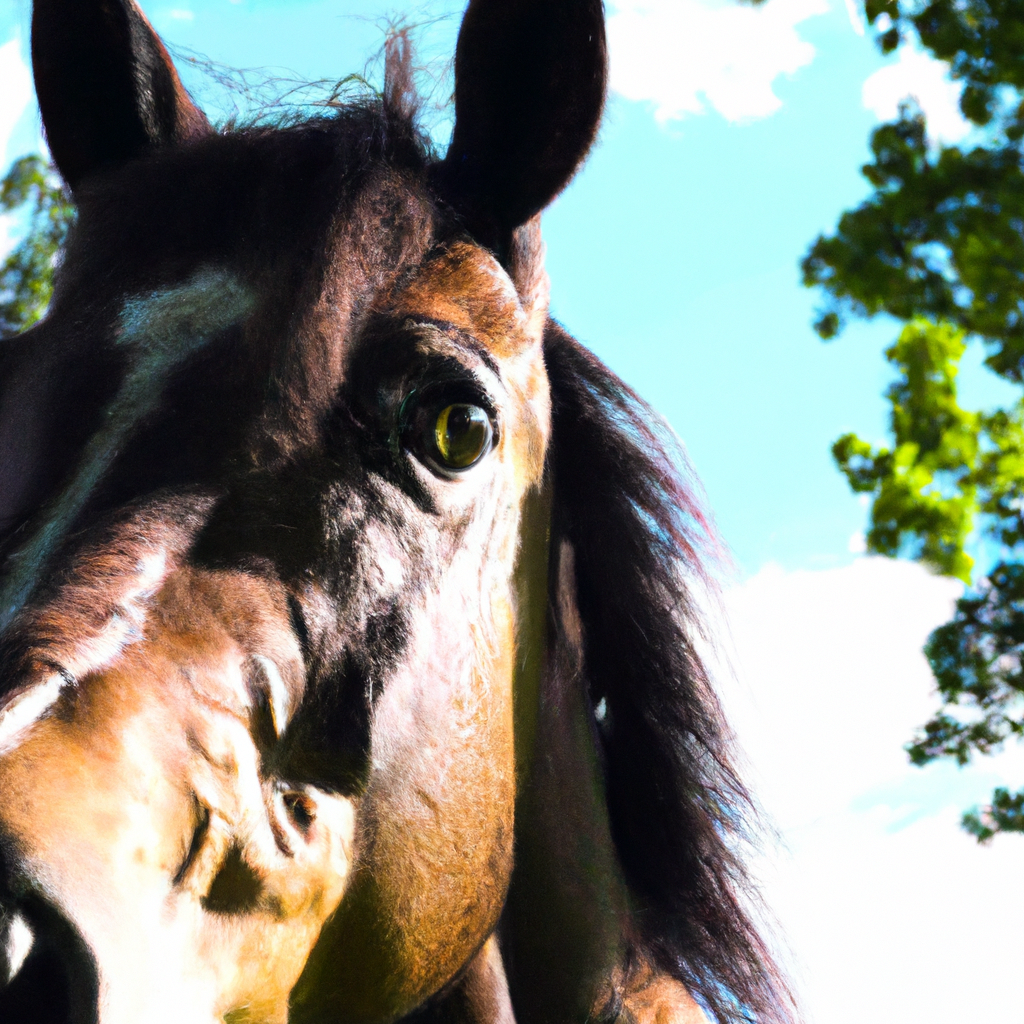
<point x="350" y="659"/>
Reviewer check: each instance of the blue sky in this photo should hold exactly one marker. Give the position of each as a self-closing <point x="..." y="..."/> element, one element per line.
<point x="732" y="138"/>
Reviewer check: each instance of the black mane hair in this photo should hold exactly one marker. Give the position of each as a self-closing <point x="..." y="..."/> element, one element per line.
<point x="676" y="804"/>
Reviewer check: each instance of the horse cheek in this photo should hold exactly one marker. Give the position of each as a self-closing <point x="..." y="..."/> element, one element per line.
<point x="434" y="845"/>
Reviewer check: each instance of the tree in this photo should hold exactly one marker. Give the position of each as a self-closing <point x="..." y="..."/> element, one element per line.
<point x="33" y="193"/>
<point x="939" y="245"/>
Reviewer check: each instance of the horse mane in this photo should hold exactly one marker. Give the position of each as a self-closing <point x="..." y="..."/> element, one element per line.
<point x="237" y="99"/>
<point x="677" y="807"/>
<point x="377" y="124"/>
<point x="259" y="100"/>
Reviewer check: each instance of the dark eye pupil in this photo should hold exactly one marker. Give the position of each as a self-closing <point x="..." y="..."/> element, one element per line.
<point x="462" y="434"/>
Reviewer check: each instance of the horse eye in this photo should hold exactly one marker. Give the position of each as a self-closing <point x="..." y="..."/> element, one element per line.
<point x="461" y="435"/>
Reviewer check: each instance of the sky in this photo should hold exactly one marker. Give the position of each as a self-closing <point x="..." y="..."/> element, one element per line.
<point x="733" y="137"/>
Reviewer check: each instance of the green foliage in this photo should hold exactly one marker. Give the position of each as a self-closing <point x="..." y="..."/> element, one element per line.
<point x="1005" y="814"/>
<point x="924" y="486"/>
<point x="940" y="238"/>
<point x="983" y="41"/>
<point x="977" y="663"/>
<point x="939" y="245"/>
<point x="32" y="191"/>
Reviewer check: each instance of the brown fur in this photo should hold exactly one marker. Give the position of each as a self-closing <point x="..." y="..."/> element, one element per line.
<point x="153" y="773"/>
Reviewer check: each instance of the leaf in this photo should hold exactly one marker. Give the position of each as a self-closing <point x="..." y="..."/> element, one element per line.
<point x="939" y="246"/>
<point x="33" y="193"/>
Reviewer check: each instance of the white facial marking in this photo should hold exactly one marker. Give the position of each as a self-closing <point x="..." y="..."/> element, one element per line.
<point x="126" y="623"/>
<point x="381" y="561"/>
<point x="152" y="569"/>
<point x="169" y="325"/>
<point x="17" y="939"/>
<point x="277" y="690"/>
<point x="497" y="274"/>
<point x="24" y="710"/>
<point x="159" y="331"/>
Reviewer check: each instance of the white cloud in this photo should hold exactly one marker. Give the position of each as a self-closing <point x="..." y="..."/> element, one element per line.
<point x="917" y="75"/>
<point x="891" y="913"/>
<point x="855" y="16"/>
<point x="15" y="91"/>
<point x="181" y="14"/>
<point x="687" y="55"/>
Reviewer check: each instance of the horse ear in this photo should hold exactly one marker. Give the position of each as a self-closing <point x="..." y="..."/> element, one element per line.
<point x="107" y="89"/>
<point x="529" y="89"/>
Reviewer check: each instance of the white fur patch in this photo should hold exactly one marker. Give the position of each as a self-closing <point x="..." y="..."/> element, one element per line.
<point x="22" y="712"/>
<point x="159" y="331"/>
<point x="277" y="691"/>
<point x="128" y="620"/>
<point x="169" y="325"/>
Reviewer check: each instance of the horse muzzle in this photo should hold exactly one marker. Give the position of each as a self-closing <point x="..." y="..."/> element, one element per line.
<point x="155" y="865"/>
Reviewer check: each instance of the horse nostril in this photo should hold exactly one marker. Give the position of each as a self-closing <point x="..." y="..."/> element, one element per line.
<point x="48" y="974"/>
<point x="16" y="939"/>
<point x="301" y="810"/>
<point x="236" y="888"/>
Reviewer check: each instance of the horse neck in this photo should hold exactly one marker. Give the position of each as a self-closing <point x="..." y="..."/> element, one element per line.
<point x="562" y="932"/>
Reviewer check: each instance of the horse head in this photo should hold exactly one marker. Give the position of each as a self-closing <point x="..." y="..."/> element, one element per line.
<point x="347" y="668"/>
